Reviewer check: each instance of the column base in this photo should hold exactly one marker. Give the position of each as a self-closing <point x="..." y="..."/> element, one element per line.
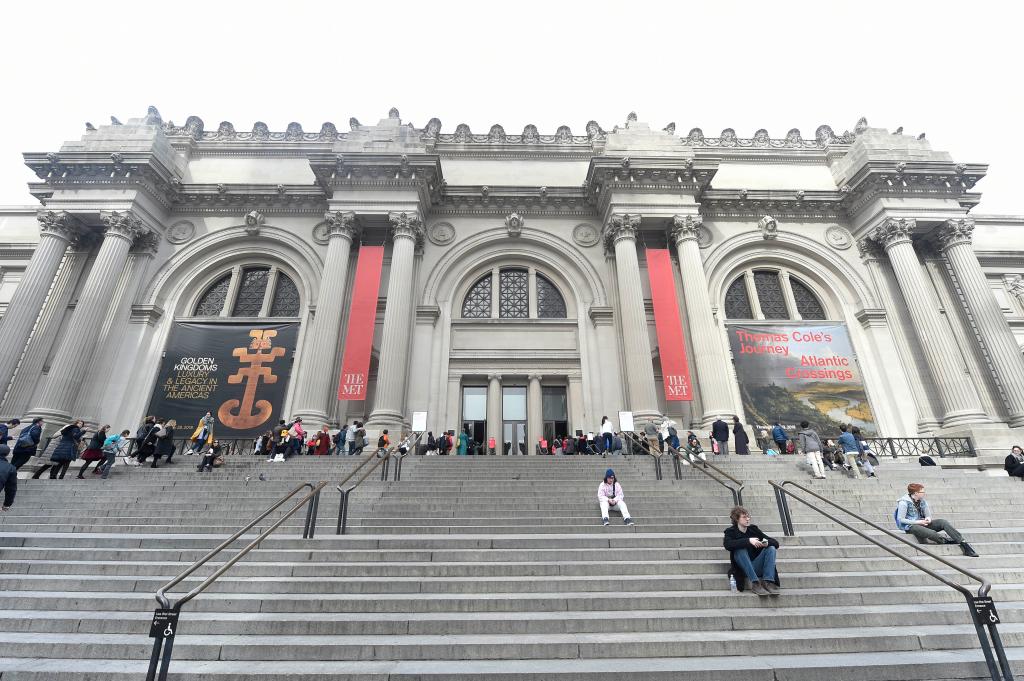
<point x="51" y="417"/>
<point x="644" y="416"/>
<point x="314" y="419"/>
<point x="1016" y="420"/>
<point x="380" y="420"/>
<point x="959" y="419"/>
<point x="710" y="418"/>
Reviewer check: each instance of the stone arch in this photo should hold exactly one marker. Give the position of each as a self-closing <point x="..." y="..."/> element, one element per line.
<point x="511" y="258"/>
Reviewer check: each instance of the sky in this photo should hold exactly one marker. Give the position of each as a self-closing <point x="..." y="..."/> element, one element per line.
<point x="952" y="70"/>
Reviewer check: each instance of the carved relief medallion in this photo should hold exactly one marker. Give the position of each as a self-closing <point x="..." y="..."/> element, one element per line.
<point x="704" y="236"/>
<point x="180" y="232"/>
<point x="320" y="233"/>
<point x="838" y="237"/>
<point x="585" y="235"/>
<point x="441" y="233"/>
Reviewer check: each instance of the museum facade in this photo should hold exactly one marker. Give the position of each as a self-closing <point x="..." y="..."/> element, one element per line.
<point x="520" y="285"/>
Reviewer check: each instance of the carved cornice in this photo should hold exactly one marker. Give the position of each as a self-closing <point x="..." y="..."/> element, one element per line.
<point x="123" y="224"/>
<point x="427" y="314"/>
<point x="686" y="228"/>
<point x="87" y="169"/>
<point x="601" y="315"/>
<point x="146" y="314"/>
<point x="955" y="232"/>
<point x="667" y="174"/>
<point x="789" y="205"/>
<point x="59" y="224"/>
<point x="342" y="224"/>
<point x="621" y="226"/>
<point x="406" y="225"/>
<point x="894" y="231"/>
<point x="265" y="199"/>
<point x="871" y="317"/>
<point x="421" y="172"/>
<point x="503" y="200"/>
<point x="905" y="179"/>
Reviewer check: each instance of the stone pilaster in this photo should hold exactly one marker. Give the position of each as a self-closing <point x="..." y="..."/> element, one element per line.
<point x="315" y="399"/>
<point x="957" y="394"/>
<point x="636" y="345"/>
<point x="992" y="327"/>
<point x="494" y="410"/>
<point x="389" y="405"/>
<point x="534" y="413"/>
<point x="56" y="231"/>
<point x="708" y="351"/>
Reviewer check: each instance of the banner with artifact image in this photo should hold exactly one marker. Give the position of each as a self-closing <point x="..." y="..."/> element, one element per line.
<point x="238" y="372"/>
<point x="790" y="372"/>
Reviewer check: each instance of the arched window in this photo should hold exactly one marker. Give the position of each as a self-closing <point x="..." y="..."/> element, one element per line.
<point x="256" y="291"/>
<point x="771" y="294"/>
<point x="522" y="294"/>
<point x="550" y="304"/>
<point x="477" y="304"/>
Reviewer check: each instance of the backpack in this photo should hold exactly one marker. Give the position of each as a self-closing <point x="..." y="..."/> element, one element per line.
<point x="672" y="432"/>
<point x="790" y="447"/>
<point x="381" y="442"/>
<point x="896" y="517"/>
<point x="110" y="447"/>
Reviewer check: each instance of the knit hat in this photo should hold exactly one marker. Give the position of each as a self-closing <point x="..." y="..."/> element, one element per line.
<point x="4" y="451"/>
<point x="609" y="474"/>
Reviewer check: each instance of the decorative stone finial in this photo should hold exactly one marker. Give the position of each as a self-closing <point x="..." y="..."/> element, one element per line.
<point x="861" y="126"/>
<point x="670" y="128"/>
<point x="328" y="131"/>
<point x="769" y="227"/>
<point x="194" y="127"/>
<point x="293" y="132"/>
<point x="514" y="224"/>
<point x="631" y="118"/>
<point x="496" y="135"/>
<point x="226" y="130"/>
<point x="153" y="117"/>
<point x="899" y="131"/>
<point x="393" y="113"/>
<point x="89" y="127"/>
<point x="462" y="134"/>
<point x="353" y="123"/>
<point x="433" y="128"/>
<point x="563" y="135"/>
<point x="594" y="131"/>
<point x="114" y="121"/>
<point x="530" y="134"/>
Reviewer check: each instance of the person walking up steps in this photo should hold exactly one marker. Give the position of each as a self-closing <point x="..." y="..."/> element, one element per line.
<point x="810" y="445"/>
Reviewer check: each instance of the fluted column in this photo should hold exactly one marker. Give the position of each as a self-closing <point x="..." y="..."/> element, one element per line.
<point x="494" y="410"/>
<point x="315" y="398"/>
<point x="960" y="402"/>
<point x="534" y="413"/>
<point x="56" y="231"/>
<point x="77" y="347"/>
<point x="991" y="324"/>
<point x="389" y="405"/>
<point x="636" y="345"/>
<point x="708" y="350"/>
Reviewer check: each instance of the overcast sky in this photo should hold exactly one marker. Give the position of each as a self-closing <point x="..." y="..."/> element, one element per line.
<point x="952" y="69"/>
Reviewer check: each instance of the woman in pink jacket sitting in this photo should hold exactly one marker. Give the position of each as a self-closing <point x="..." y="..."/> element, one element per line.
<point x="610" y="496"/>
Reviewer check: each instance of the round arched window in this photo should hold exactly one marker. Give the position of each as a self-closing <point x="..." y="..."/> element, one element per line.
<point x="522" y="294"/>
<point x="250" y="291"/>
<point x="771" y="294"/>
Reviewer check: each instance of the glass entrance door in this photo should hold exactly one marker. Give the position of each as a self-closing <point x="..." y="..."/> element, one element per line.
<point x="513" y="416"/>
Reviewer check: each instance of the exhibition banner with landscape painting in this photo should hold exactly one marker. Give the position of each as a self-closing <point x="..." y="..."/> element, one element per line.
<point x="790" y="372"/>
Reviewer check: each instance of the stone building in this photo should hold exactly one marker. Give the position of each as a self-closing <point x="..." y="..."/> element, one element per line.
<point x="515" y="295"/>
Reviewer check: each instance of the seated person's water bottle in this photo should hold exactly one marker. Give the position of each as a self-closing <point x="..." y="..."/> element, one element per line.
<point x="732" y="583"/>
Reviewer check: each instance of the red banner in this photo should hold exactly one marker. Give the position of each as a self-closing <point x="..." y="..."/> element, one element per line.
<point x="674" y="369"/>
<point x="362" y="319"/>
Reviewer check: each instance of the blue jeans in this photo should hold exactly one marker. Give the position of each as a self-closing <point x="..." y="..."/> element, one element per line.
<point x="763" y="565"/>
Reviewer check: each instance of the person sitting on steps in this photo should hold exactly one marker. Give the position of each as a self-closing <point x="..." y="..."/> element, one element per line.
<point x="610" y="496"/>
<point x="1014" y="463"/>
<point x="914" y="516"/>
<point x="751" y="553"/>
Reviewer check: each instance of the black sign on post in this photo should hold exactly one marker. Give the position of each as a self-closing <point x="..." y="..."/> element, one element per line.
<point x="985" y="610"/>
<point x="165" y="623"/>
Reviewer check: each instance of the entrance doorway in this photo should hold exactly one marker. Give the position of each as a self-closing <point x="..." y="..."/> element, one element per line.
<point x="513" y="415"/>
<point x="555" y="412"/>
<point x="474" y="417"/>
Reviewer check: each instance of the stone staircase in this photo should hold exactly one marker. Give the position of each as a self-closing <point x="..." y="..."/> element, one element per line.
<point x="476" y="568"/>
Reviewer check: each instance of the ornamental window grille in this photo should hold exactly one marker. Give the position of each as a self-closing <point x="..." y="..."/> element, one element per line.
<point x="477" y="304"/>
<point x="550" y="304"/>
<point x="251" y="292"/>
<point x="773" y="300"/>
<point x="514" y="294"/>
<point x="737" y="301"/>
<point x="212" y="302"/>
<point x="807" y="304"/>
<point x="286" y="298"/>
<point x="247" y="292"/>
<point x="769" y="295"/>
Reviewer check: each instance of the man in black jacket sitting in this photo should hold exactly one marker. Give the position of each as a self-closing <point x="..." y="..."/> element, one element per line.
<point x="752" y="554"/>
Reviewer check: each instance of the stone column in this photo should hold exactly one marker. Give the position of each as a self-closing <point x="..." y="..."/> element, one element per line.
<point x="494" y="410"/>
<point x="576" y="419"/>
<point x="636" y="345"/>
<point x="56" y="231"/>
<point x="709" y="354"/>
<point x="960" y="402"/>
<point x="77" y="347"/>
<point x="991" y="325"/>
<point x="389" y="405"/>
<point x="315" y="399"/>
<point x="534" y="413"/>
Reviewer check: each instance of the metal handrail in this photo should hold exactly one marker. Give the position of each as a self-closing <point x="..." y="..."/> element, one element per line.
<point x="701" y="465"/>
<point x="164" y="644"/>
<point x="985" y="586"/>
<point x="643" y="445"/>
<point x="343" y="502"/>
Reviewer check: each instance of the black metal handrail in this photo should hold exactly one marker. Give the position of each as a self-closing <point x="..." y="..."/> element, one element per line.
<point x="345" y="492"/>
<point x="972" y="601"/>
<point x="702" y="466"/>
<point x="164" y="642"/>
<point x="922" y="446"/>
<point x="643" y="445"/>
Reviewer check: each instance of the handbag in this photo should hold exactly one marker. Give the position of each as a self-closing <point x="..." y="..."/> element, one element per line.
<point x="218" y="461"/>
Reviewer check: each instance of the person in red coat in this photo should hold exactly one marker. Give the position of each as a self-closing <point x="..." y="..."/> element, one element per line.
<point x="323" y="442"/>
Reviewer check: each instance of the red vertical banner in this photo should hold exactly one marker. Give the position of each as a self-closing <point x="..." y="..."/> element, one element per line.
<point x="362" y="319"/>
<point x="675" y="370"/>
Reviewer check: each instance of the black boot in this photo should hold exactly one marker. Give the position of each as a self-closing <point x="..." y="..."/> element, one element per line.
<point x="968" y="550"/>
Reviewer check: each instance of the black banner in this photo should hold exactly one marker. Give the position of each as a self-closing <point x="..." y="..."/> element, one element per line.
<point x="238" y="372"/>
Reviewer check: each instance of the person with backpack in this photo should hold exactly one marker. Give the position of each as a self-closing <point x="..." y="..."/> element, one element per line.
<point x="147" y="446"/>
<point x="383" y="442"/>
<point x="431" y="444"/>
<point x="720" y="434"/>
<point x="340" y="439"/>
<point x="280" y="442"/>
<point x="296" y="436"/>
<point x="740" y="437"/>
<point x="112" y="448"/>
<point x="810" y="445"/>
<point x="165" y="443"/>
<point x="779" y="437"/>
<point x="914" y="516"/>
<point x="27" y="443"/>
<point x="864" y="454"/>
<point x="65" y="452"/>
<point x="850" y="450"/>
<point x="5" y="429"/>
<point x="610" y="496"/>
<point x="93" y="452"/>
<point x="8" y="479"/>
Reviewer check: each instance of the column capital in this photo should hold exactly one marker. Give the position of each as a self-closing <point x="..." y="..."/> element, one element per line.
<point x="343" y="224"/>
<point x="869" y="249"/>
<point x="535" y="377"/>
<point x="955" y="232"/>
<point x="894" y="231"/>
<point x="493" y="377"/>
<point x="147" y="243"/>
<point x="621" y="226"/>
<point x="406" y="225"/>
<point x="60" y="224"/>
<point x="686" y="227"/>
<point x="125" y="225"/>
